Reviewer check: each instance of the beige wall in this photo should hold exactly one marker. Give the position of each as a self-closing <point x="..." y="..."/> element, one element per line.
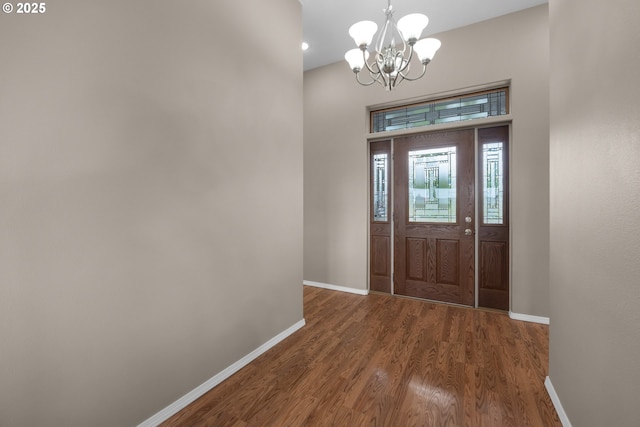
<point x="514" y="47"/>
<point x="595" y="202"/>
<point x="151" y="201"/>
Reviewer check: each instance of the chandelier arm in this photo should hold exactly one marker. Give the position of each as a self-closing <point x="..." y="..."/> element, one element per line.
<point x="366" y="64"/>
<point x="363" y="83"/>
<point x="396" y="84"/>
<point x="411" y="79"/>
<point x="405" y="64"/>
<point x="384" y="81"/>
<point x="378" y="78"/>
<point x="378" y="75"/>
<point x="397" y="79"/>
<point x="406" y="68"/>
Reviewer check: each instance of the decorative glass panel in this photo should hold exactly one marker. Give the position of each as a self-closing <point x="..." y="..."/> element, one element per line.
<point x="493" y="183"/>
<point x="432" y="185"/>
<point x="469" y="107"/>
<point x="380" y="183"/>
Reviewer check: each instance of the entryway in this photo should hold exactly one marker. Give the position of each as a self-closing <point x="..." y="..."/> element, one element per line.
<point x="445" y="238"/>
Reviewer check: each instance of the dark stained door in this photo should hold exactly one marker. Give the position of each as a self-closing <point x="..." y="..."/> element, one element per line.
<point x="493" y="223"/>
<point x="380" y="217"/>
<point x="434" y="205"/>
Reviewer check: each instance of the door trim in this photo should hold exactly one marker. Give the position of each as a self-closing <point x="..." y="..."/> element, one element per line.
<point x="491" y="122"/>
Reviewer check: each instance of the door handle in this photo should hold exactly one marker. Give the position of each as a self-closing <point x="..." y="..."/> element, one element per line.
<point x="468" y="220"/>
<point x="468" y="232"/>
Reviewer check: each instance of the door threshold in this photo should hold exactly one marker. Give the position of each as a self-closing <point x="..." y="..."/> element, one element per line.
<point x="433" y="301"/>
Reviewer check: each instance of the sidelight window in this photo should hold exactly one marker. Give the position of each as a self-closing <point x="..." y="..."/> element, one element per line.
<point x="380" y="187"/>
<point x="493" y="183"/>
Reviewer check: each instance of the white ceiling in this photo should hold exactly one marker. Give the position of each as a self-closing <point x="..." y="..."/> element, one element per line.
<point x="326" y="22"/>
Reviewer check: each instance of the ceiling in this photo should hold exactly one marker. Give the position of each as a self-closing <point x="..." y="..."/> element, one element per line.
<point x="326" y="22"/>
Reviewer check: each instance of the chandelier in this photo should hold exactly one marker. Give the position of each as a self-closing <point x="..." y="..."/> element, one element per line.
<point x="394" y="49"/>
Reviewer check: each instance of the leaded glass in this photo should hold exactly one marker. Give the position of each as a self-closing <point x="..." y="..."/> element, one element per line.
<point x="380" y="190"/>
<point x="493" y="183"/>
<point x="432" y="185"/>
<point x="469" y="107"/>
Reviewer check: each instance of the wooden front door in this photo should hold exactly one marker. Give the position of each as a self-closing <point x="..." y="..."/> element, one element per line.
<point x="434" y="209"/>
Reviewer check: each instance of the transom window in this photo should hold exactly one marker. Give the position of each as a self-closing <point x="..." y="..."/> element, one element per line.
<point x="471" y="106"/>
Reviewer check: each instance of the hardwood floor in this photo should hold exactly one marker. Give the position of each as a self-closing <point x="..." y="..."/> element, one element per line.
<point x="387" y="361"/>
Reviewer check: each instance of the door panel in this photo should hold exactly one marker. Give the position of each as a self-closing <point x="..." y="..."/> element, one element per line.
<point x="493" y="224"/>
<point x="433" y="193"/>
<point x="380" y="246"/>
<point x="416" y="259"/>
<point x="380" y="221"/>
<point x="493" y="265"/>
<point x="447" y="261"/>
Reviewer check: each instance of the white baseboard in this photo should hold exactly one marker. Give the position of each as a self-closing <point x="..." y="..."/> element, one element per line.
<point x="336" y="288"/>
<point x="194" y="394"/>
<point x="529" y="318"/>
<point x="556" y="403"/>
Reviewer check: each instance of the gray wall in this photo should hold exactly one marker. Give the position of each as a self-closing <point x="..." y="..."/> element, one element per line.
<point x="151" y="201"/>
<point x="515" y="47"/>
<point x="595" y="203"/>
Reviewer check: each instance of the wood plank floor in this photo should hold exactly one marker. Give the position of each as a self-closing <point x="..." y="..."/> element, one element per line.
<point x="386" y="361"/>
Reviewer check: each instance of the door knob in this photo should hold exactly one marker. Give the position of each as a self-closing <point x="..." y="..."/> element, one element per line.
<point x="468" y="220"/>
<point x="468" y="232"/>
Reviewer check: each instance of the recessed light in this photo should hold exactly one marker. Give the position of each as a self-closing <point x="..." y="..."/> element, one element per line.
<point x="305" y="45"/>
